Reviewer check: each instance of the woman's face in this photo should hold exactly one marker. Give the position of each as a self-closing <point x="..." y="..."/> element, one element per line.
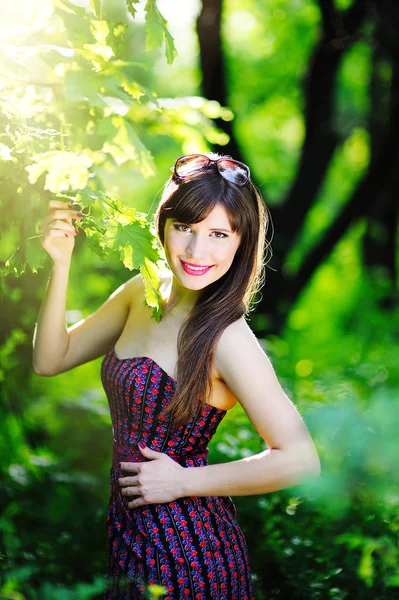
<point x="201" y="253"/>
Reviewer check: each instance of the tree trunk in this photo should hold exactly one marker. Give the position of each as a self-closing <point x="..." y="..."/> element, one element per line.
<point x="379" y="242"/>
<point x="213" y="69"/>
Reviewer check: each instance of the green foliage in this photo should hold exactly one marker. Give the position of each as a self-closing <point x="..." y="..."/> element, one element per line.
<point x="130" y="6"/>
<point x="74" y="110"/>
<point x="157" y="29"/>
<point x="151" y="281"/>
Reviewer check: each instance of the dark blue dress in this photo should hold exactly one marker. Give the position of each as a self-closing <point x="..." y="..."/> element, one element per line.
<point x="193" y="546"/>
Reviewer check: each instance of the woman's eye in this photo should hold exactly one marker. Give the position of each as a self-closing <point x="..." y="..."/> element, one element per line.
<point x="181" y="227"/>
<point x="187" y="229"/>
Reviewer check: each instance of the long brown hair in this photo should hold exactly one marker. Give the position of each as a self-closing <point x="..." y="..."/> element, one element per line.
<point x="225" y="300"/>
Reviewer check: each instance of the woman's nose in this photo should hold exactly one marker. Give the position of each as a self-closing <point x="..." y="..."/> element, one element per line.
<point x="196" y="248"/>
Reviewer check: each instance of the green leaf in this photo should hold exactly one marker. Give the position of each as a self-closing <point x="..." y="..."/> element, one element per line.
<point x="29" y="254"/>
<point x="81" y="87"/>
<point x="94" y="239"/>
<point x="130" y="6"/>
<point x="156" y="29"/>
<point x="150" y="274"/>
<point x="144" y="156"/>
<point x="99" y="91"/>
<point x="76" y="23"/>
<point x="116" y="39"/>
<point x="366" y="567"/>
<point x="154" y="25"/>
<point x="126" y="145"/>
<point x="120" y="147"/>
<point x="95" y="6"/>
<point x="24" y="105"/>
<point x="16" y="264"/>
<point x="100" y="31"/>
<point x="140" y="241"/>
<point x="134" y="89"/>
<point x="109" y="38"/>
<point x="170" y="48"/>
<point x="34" y="254"/>
<point x="65" y="170"/>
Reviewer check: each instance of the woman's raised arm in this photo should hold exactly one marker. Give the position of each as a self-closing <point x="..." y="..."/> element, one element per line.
<point x="55" y="347"/>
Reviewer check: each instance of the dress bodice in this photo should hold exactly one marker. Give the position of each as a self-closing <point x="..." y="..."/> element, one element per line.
<point x="138" y="389"/>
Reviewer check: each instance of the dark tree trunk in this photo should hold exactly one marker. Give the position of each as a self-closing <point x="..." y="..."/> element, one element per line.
<point x="213" y="68"/>
<point x="379" y="242"/>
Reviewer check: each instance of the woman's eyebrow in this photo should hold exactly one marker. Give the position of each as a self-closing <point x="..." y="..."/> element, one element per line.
<point x="210" y="229"/>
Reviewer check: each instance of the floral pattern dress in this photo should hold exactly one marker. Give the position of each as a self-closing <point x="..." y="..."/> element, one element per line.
<point x="192" y="546"/>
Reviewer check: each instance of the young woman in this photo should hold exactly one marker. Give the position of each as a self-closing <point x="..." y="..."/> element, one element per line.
<point x="169" y="384"/>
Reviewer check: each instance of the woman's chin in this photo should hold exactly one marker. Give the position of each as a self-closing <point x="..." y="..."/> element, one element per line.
<point x="194" y="282"/>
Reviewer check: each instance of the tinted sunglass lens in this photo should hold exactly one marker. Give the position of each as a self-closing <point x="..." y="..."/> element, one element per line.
<point x="233" y="171"/>
<point x="191" y="164"/>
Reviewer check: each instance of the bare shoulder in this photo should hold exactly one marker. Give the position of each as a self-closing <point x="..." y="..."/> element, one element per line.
<point x="238" y="328"/>
<point x="134" y="291"/>
<point x="235" y="342"/>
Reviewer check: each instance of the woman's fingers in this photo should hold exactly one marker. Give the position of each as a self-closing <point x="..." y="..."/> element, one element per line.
<point x="58" y="224"/>
<point x="59" y="216"/>
<point x="131" y="491"/>
<point x="68" y="215"/>
<point x="124" y="481"/>
<point x="65" y="207"/>
<point x="53" y="204"/>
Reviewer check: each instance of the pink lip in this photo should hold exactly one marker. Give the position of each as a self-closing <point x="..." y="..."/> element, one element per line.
<point x="186" y="267"/>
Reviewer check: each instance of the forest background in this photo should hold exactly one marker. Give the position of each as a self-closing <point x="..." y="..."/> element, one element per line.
<point x="97" y="99"/>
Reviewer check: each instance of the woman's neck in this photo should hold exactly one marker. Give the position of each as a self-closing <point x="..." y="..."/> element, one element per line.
<point x="176" y="297"/>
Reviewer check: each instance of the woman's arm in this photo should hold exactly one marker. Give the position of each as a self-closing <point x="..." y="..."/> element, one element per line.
<point x="261" y="473"/>
<point x="50" y="338"/>
<point x="291" y="456"/>
<point x="55" y="348"/>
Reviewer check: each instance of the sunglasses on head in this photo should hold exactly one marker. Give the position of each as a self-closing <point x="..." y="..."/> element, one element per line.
<point x="231" y="170"/>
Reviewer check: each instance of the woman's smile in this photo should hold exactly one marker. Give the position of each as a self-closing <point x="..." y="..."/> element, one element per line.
<point x="195" y="270"/>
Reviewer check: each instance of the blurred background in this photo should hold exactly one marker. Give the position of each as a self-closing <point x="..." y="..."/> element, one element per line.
<point x="102" y="96"/>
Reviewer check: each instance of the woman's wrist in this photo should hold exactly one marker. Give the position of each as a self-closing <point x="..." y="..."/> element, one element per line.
<point x="60" y="267"/>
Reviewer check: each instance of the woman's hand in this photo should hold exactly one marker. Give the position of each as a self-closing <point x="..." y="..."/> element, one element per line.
<point x="157" y="481"/>
<point x="58" y="233"/>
